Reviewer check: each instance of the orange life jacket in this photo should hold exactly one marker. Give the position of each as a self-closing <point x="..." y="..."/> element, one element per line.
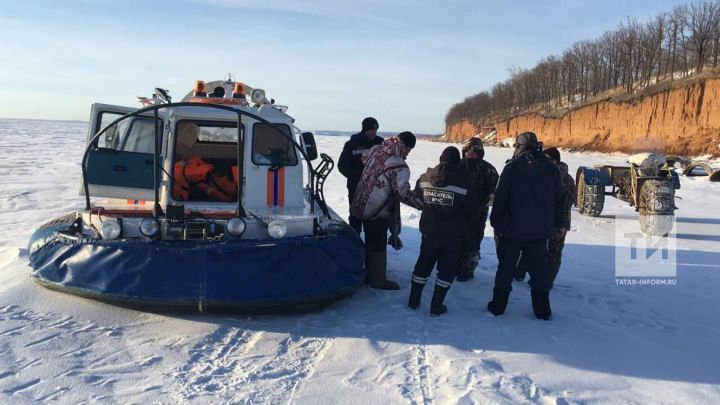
<point x="197" y="174"/>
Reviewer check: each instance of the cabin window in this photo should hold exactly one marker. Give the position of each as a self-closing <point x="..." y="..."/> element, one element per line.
<point x="111" y="138"/>
<point x="141" y="136"/>
<point x="271" y="147"/>
<point x="136" y="134"/>
<point x="205" y="163"/>
<point x="217" y="134"/>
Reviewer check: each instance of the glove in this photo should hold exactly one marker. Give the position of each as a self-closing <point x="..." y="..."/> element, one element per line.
<point x="395" y="242"/>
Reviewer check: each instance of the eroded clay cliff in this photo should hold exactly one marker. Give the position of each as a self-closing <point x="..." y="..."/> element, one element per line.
<point x="682" y="121"/>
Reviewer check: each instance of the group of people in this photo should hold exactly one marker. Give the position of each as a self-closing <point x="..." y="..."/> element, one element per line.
<point x="530" y="200"/>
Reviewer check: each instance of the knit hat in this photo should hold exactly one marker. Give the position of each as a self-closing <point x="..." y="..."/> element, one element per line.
<point x="408" y="138"/>
<point x="451" y="155"/>
<point x="553" y="153"/>
<point x="369" y="123"/>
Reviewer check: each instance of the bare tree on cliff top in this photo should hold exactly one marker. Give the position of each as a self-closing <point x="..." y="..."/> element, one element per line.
<point x="675" y="27"/>
<point x="629" y="33"/>
<point x="626" y="57"/>
<point x="651" y="39"/>
<point x="703" y="22"/>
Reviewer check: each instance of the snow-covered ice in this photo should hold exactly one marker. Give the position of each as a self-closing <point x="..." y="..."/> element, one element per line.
<point x="606" y="343"/>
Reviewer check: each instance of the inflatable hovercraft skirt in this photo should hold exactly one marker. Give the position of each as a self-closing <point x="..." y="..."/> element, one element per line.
<point x="254" y="276"/>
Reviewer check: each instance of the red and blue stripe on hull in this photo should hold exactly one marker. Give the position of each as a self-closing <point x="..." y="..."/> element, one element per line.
<point x="276" y="187"/>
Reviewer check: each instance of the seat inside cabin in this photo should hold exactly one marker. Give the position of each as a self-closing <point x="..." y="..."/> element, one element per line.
<point x="215" y="144"/>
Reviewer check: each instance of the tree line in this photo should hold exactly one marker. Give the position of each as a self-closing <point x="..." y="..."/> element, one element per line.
<point x="672" y="45"/>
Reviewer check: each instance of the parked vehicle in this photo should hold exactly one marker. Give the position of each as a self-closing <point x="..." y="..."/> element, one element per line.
<point x="646" y="184"/>
<point x="201" y="204"/>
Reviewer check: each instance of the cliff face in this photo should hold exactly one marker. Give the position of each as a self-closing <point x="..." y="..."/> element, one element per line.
<point x="460" y="131"/>
<point x="683" y="121"/>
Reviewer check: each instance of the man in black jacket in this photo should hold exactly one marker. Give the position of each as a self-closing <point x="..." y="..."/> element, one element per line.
<point x="448" y="202"/>
<point x="527" y="210"/>
<point x="556" y="243"/>
<point x="350" y="162"/>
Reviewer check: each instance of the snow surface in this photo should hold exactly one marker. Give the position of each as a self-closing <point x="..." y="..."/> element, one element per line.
<point x="606" y="343"/>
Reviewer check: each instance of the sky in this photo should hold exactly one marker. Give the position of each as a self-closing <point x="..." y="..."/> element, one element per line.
<point x="333" y="63"/>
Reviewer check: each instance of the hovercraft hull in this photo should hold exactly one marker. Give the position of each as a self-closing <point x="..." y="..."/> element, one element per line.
<point x="291" y="274"/>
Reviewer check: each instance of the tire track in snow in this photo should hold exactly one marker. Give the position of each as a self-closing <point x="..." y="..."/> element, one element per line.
<point x="213" y="362"/>
<point x="424" y="375"/>
<point x="418" y="382"/>
<point x="242" y="366"/>
<point x="278" y="380"/>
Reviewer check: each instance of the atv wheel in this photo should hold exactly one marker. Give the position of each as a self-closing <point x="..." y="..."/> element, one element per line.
<point x="656" y="225"/>
<point x="590" y="197"/>
<point x="657" y="197"/>
<point x="657" y="207"/>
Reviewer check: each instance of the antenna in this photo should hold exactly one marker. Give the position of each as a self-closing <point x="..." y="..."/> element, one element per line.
<point x="229" y="78"/>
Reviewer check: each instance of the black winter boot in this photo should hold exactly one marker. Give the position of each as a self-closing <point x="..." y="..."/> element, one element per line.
<point x="499" y="302"/>
<point x="416" y="289"/>
<point x="464" y="276"/>
<point x="376" y="265"/>
<point x="541" y="305"/>
<point x="437" y="307"/>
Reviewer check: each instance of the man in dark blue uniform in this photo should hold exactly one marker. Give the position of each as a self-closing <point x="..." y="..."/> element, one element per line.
<point x="350" y="163"/>
<point x="448" y="202"/>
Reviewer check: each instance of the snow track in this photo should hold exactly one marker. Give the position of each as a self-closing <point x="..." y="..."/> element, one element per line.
<point x="230" y="360"/>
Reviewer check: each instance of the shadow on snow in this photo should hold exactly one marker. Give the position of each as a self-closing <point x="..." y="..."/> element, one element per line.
<point x="597" y="325"/>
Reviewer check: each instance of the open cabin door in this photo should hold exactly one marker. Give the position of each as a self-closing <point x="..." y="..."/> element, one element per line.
<point x="120" y="162"/>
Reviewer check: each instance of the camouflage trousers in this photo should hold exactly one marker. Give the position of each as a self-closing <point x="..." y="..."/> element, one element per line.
<point x="470" y="253"/>
<point x="555" y="245"/>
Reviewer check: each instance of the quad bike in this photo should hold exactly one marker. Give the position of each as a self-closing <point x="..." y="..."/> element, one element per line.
<point x="648" y="184"/>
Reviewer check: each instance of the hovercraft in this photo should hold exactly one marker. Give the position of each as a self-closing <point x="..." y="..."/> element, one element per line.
<point x="201" y="204"/>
